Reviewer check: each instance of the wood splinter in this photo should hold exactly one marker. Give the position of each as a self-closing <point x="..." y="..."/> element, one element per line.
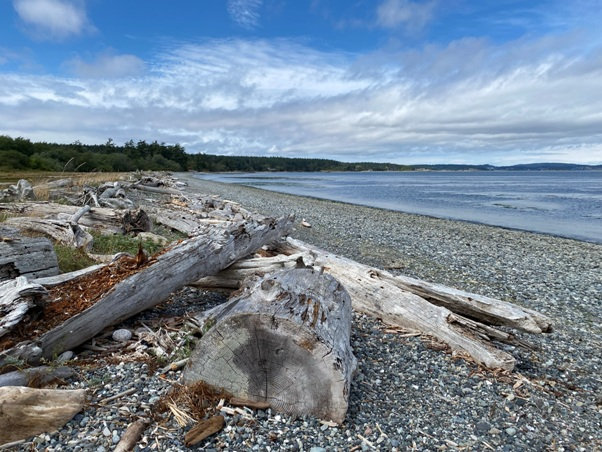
<point x="204" y="429"/>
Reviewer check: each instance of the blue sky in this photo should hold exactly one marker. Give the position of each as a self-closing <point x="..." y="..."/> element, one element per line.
<point x="405" y="81"/>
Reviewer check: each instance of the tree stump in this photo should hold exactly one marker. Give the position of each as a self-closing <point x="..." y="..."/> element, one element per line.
<point x="284" y="340"/>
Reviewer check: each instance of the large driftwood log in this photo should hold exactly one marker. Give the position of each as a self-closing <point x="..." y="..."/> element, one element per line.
<point x="17" y="296"/>
<point x="181" y="265"/>
<point x="39" y="376"/>
<point x="283" y="340"/>
<point x="33" y="257"/>
<point x="373" y="292"/>
<point x="25" y="412"/>
<point x="478" y="307"/>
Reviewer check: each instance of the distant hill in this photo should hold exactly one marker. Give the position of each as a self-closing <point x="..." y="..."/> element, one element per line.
<point x="18" y="154"/>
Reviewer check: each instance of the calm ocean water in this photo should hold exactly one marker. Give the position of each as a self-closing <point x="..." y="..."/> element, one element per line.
<point x="564" y="203"/>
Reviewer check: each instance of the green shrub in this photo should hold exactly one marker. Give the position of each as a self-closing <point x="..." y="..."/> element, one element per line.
<point x="117" y="243"/>
<point x="71" y="259"/>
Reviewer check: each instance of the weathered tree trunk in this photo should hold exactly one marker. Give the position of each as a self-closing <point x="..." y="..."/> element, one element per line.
<point x="283" y="340"/>
<point x="377" y="296"/>
<point x="39" y="376"/>
<point x="27" y="256"/>
<point x="17" y="296"/>
<point x="25" y="412"/>
<point x="181" y="265"/>
<point x="64" y="231"/>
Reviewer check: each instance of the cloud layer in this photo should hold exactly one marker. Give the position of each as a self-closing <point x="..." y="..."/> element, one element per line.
<point x="469" y="101"/>
<point x="52" y="19"/>
<point x="245" y="12"/>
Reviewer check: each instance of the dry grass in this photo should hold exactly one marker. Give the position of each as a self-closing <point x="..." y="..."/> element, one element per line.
<point x="42" y="177"/>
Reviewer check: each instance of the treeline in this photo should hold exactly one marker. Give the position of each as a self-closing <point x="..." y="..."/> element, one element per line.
<point x="22" y="154"/>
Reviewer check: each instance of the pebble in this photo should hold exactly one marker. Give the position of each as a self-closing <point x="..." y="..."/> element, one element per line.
<point x="122" y="335"/>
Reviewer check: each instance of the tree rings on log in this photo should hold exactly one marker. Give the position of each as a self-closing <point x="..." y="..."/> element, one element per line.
<point x="284" y="340"/>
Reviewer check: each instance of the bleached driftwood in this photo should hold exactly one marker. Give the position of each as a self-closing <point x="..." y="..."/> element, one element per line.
<point x="25" y="412"/>
<point x="51" y="281"/>
<point x="17" y="296"/>
<point x="32" y="257"/>
<point x="478" y="307"/>
<point x="65" y="231"/>
<point x="132" y="435"/>
<point x="181" y="265"/>
<point x="375" y="292"/>
<point x="233" y="276"/>
<point x="284" y="340"/>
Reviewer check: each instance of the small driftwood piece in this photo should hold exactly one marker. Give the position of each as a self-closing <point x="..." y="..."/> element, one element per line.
<point x="25" y="412"/>
<point x="177" y="267"/>
<point x="132" y="435"/>
<point x="39" y="376"/>
<point x="283" y="340"/>
<point x="204" y="429"/>
<point x="51" y="281"/>
<point x="33" y="257"/>
<point x="17" y="296"/>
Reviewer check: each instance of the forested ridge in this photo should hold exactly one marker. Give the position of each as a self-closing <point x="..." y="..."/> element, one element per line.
<point x="23" y="154"/>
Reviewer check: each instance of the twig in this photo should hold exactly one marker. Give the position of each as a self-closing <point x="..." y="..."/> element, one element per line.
<point x="132" y="435"/>
<point x="369" y="443"/>
<point x="117" y="396"/>
<point x="175" y="365"/>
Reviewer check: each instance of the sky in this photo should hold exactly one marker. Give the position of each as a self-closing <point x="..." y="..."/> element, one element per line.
<point x="406" y="81"/>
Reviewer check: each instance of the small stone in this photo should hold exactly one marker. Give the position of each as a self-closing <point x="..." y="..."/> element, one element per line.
<point x="482" y="427"/>
<point x="394" y="443"/>
<point x="153" y="399"/>
<point x="122" y="335"/>
<point x="116" y="438"/>
<point x="65" y="356"/>
<point x="494" y="431"/>
<point x="106" y="431"/>
<point x="84" y="421"/>
<point x="511" y="431"/>
<point x="317" y="449"/>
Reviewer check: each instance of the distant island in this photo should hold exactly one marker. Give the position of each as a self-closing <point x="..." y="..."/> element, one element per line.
<point x="21" y="154"/>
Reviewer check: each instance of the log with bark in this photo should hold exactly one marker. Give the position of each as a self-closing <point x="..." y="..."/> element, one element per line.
<point x="25" y="412"/>
<point x="154" y="282"/>
<point x="32" y="257"/>
<point x="284" y="340"/>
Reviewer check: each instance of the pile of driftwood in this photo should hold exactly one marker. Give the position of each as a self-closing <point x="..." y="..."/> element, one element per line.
<point x="283" y="338"/>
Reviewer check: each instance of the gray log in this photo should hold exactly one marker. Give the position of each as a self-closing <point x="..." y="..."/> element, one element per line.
<point x="283" y="340"/>
<point x="183" y="264"/>
<point x="33" y="257"/>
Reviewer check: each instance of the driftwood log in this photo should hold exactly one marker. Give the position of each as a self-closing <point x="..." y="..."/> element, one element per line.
<point x="183" y="264"/>
<point x="33" y="257"/>
<point x="25" y="412"/>
<point x="460" y="319"/>
<point x="35" y="376"/>
<point x="283" y="340"/>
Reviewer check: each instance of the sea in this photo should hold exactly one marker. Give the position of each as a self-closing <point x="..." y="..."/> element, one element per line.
<point x="562" y="203"/>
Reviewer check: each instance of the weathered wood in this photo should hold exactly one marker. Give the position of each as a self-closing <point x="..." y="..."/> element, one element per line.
<point x="233" y="276"/>
<point x="33" y="257"/>
<point x="177" y="267"/>
<point x="17" y="296"/>
<point x="284" y="340"/>
<point x="375" y="295"/>
<point x="51" y="281"/>
<point x="40" y="375"/>
<point x="204" y="429"/>
<point x="479" y="307"/>
<point x="160" y="190"/>
<point x="132" y="435"/>
<point x="65" y="232"/>
<point x="25" y="412"/>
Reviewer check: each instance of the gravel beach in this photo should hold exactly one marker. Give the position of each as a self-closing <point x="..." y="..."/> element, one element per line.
<point x="407" y="395"/>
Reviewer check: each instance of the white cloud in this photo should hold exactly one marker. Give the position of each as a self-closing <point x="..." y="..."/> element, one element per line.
<point x="53" y="19"/>
<point x="469" y="101"/>
<point x="107" y="65"/>
<point x="245" y="12"/>
<point x="413" y="16"/>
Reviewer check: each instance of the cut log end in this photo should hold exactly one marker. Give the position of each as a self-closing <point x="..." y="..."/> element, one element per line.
<point x="277" y="345"/>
